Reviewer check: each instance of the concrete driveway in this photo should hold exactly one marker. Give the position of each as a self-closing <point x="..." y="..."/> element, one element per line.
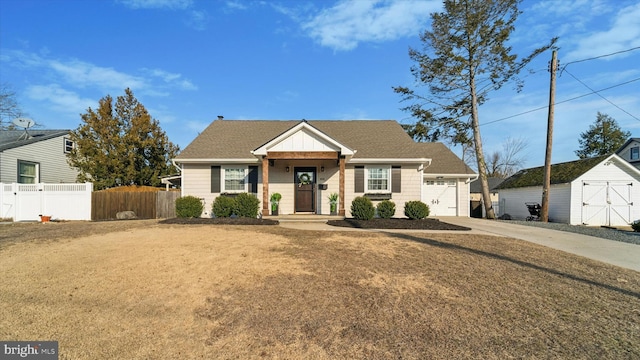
<point x="609" y="251"/>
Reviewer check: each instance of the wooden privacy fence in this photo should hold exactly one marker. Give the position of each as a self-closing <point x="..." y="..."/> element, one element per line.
<point x="147" y="205"/>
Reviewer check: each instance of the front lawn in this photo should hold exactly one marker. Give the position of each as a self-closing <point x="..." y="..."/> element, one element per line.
<point x="159" y="291"/>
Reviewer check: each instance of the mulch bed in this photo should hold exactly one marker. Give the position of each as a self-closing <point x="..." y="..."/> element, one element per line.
<point x="394" y="223"/>
<point x="219" y="221"/>
<point x="424" y="224"/>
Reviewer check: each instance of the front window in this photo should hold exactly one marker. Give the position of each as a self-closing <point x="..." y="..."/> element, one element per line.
<point x="27" y="172"/>
<point x="378" y="179"/>
<point x="635" y="153"/>
<point x="235" y="179"/>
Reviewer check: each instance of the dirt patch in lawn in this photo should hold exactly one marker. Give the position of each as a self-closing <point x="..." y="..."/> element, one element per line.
<point x="174" y="291"/>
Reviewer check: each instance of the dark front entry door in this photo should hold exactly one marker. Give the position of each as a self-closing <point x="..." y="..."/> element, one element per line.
<point x="305" y="183"/>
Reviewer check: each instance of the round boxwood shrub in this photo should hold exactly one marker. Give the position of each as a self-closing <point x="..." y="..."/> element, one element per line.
<point x="362" y="208"/>
<point x="636" y="226"/>
<point x="386" y="209"/>
<point x="416" y="210"/>
<point x="189" y="207"/>
<point x="223" y="206"/>
<point x="247" y="205"/>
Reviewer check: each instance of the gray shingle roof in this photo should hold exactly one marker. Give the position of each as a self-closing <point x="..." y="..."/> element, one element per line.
<point x="443" y="160"/>
<point x="372" y="139"/>
<point x="237" y="138"/>
<point x="9" y="138"/>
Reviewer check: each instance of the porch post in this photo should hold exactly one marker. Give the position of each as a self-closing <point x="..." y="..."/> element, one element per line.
<point x="265" y="186"/>
<point x="341" y="210"/>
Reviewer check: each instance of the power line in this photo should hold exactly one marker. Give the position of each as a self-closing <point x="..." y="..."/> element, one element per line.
<point x="607" y="100"/>
<point x="560" y="102"/>
<point x="601" y="56"/>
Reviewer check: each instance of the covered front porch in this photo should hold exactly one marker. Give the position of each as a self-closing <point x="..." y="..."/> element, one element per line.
<point x="305" y="181"/>
<point x="305" y="166"/>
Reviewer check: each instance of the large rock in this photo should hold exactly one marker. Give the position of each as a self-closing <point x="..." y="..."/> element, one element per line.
<point x="126" y="215"/>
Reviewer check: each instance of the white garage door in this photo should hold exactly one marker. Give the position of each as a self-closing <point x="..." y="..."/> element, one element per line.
<point x="441" y="196"/>
<point x="606" y="203"/>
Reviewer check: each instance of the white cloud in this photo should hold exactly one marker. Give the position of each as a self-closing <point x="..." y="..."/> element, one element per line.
<point x="83" y="74"/>
<point x="197" y="19"/>
<point x="623" y="33"/>
<point x="157" y="4"/>
<point x="172" y="79"/>
<point x="236" y="5"/>
<point x="60" y="100"/>
<point x="348" y="23"/>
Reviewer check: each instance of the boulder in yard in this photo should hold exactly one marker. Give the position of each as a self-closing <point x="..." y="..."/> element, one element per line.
<point x="126" y="215"/>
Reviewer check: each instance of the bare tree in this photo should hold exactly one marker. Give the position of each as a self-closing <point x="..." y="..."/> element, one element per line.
<point x="510" y="160"/>
<point x="9" y="107"/>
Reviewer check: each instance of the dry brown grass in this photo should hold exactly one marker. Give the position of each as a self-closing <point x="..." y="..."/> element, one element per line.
<point x="174" y="292"/>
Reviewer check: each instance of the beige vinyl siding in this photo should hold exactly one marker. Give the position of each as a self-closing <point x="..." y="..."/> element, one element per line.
<point x="48" y="154"/>
<point x="411" y="188"/>
<point x="197" y="182"/>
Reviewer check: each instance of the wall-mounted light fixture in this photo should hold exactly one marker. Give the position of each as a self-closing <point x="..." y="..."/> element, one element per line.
<point x="287" y="169"/>
<point x="321" y="168"/>
<point x="272" y="162"/>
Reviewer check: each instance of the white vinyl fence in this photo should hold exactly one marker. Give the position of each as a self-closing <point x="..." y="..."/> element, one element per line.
<point x="26" y="202"/>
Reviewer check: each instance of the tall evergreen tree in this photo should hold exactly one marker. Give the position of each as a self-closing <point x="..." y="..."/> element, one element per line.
<point x="603" y="137"/>
<point x="121" y="145"/>
<point x="464" y="58"/>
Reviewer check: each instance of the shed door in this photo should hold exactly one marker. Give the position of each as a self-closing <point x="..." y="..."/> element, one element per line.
<point x="606" y="203"/>
<point x="441" y="197"/>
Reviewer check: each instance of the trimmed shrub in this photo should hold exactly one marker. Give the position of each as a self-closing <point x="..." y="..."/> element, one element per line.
<point x="189" y="207"/>
<point x="247" y="205"/>
<point x="362" y="208"/>
<point x="386" y="209"/>
<point x="416" y="210"/>
<point x="223" y="206"/>
<point x="636" y="226"/>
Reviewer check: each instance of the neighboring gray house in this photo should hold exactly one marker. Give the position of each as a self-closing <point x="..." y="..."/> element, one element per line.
<point x="596" y="191"/>
<point x="36" y="156"/>
<point x="630" y="151"/>
<point x="305" y="161"/>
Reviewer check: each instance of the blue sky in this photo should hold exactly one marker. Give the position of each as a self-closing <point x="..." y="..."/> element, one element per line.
<point x="188" y="61"/>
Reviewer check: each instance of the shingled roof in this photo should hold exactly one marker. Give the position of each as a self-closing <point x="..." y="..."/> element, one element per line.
<point x="235" y="139"/>
<point x="10" y="139"/>
<point x="443" y="160"/>
<point x="560" y="173"/>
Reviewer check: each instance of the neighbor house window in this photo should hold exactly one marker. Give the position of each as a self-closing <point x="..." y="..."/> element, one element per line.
<point x="235" y="179"/>
<point x="635" y="153"/>
<point x="68" y="145"/>
<point x="27" y="172"/>
<point x="378" y="179"/>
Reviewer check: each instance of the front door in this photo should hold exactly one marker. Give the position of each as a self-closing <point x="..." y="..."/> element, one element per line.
<point x="305" y="189"/>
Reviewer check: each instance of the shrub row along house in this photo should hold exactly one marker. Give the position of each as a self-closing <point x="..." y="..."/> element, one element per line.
<point x="306" y="161"/>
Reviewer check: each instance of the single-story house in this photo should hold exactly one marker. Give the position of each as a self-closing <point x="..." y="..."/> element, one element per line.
<point x="598" y="191"/>
<point x="630" y="151"/>
<point x="306" y="161"/>
<point x="35" y="156"/>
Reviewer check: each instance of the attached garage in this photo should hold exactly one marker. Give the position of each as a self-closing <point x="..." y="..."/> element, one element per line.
<point x="598" y="191"/>
<point x="445" y="182"/>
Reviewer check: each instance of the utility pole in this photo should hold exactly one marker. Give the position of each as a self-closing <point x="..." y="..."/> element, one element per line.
<point x="544" y="212"/>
